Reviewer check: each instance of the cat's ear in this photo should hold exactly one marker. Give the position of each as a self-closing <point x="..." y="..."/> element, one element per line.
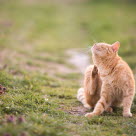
<point x="115" y="46"/>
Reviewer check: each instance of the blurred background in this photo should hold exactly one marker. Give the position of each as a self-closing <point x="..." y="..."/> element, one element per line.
<point x="42" y="30"/>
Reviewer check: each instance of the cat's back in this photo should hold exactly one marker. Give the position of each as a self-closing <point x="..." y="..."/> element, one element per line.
<point x="122" y="74"/>
<point x="122" y="81"/>
<point x="123" y="69"/>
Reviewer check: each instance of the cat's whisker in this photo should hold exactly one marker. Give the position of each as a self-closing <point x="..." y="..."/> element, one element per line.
<point x="86" y="51"/>
<point x="94" y="41"/>
<point x="82" y="49"/>
<point x="103" y="41"/>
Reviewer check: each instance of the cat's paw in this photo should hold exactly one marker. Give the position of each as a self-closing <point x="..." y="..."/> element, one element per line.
<point x="95" y="71"/>
<point x="87" y="106"/>
<point x="127" y="114"/>
<point x="90" y="115"/>
<point x="109" y="109"/>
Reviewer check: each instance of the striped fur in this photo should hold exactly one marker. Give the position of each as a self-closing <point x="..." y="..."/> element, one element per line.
<point x="90" y="94"/>
<point x="81" y="98"/>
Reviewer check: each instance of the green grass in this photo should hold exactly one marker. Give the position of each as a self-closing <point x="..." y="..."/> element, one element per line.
<point x="34" y="39"/>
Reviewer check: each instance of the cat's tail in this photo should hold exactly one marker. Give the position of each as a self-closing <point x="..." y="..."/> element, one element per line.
<point x="80" y="95"/>
<point x="81" y="98"/>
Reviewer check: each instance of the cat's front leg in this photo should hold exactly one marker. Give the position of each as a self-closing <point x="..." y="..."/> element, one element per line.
<point x="127" y="102"/>
<point x="99" y="108"/>
<point x="103" y="103"/>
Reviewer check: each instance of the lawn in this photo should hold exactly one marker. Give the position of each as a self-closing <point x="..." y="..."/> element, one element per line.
<point x="35" y="36"/>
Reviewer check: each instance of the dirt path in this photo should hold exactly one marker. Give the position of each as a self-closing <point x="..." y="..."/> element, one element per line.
<point x="79" y="60"/>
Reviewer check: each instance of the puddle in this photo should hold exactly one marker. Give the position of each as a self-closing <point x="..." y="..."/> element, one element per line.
<point x="79" y="60"/>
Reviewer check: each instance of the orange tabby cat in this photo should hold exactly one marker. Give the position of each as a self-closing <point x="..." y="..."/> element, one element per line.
<point x="118" y="85"/>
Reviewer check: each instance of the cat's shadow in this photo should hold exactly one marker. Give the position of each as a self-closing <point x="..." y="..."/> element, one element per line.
<point x="117" y="111"/>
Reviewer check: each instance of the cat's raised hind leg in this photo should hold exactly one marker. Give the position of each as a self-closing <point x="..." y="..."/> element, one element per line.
<point x="92" y="85"/>
<point x="87" y="95"/>
<point x="91" y="80"/>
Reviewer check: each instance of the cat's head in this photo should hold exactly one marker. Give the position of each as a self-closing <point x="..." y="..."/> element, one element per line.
<point x="103" y="50"/>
